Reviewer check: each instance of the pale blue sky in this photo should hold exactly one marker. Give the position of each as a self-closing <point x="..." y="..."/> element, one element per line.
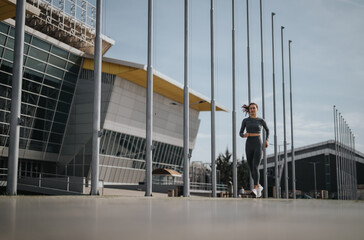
<point x="327" y="60"/>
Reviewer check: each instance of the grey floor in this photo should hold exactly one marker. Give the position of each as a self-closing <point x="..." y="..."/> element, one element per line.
<point x="120" y="217"/>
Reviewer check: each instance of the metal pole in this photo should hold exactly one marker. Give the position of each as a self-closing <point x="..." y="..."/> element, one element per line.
<point x="96" y="133"/>
<point x="263" y="102"/>
<point x="186" y="113"/>
<point x="336" y="152"/>
<point x="314" y="172"/>
<point x="248" y="64"/>
<point x="340" y="193"/>
<point x="355" y="172"/>
<point x="284" y="121"/>
<point x="213" y="164"/>
<point x="15" y="115"/>
<point x="149" y="117"/>
<point x="275" y="113"/>
<point x="292" y="144"/>
<point x="235" y="172"/>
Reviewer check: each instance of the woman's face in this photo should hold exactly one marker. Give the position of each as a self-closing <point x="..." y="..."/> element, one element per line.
<point x="253" y="109"/>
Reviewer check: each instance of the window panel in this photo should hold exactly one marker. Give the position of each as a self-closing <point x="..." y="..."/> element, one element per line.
<point x="4" y="129"/>
<point x="33" y="75"/>
<point x="8" y="54"/>
<point x="63" y="107"/>
<point x="60" y="117"/>
<point x="2" y="40"/>
<point x="55" y="71"/>
<point x="27" y="38"/>
<point x="23" y="143"/>
<point x="68" y="87"/>
<point x="38" y="54"/>
<point x="4" y="28"/>
<point x="10" y="43"/>
<point x="70" y="77"/>
<point x="59" y="52"/>
<point x="47" y="103"/>
<point x="37" y="146"/>
<point x="31" y="86"/>
<point x="5" y="104"/>
<point x="73" y="68"/>
<point x="6" y="66"/>
<point x="57" y="61"/>
<point x="5" y="78"/>
<point x="74" y="58"/>
<point x="35" y="64"/>
<point x="56" y="138"/>
<point x="53" y="148"/>
<point x="51" y="81"/>
<point x="44" y="113"/>
<point x="58" y="128"/>
<point x="39" y="135"/>
<point x="66" y="97"/>
<point x="5" y="91"/>
<point x="41" y="44"/>
<point x="50" y="92"/>
<point x="42" y="124"/>
<point x="27" y="97"/>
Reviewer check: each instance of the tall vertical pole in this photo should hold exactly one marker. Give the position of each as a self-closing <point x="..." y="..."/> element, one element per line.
<point x="336" y="152"/>
<point x="355" y="172"/>
<point x="149" y="117"/>
<point x="186" y="115"/>
<point x="275" y="116"/>
<point x="248" y="64"/>
<point x="292" y="143"/>
<point x="284" y="121"/>
<point x="213" y="164"/>
<point x="235" y="170"/>
<point x="263" y="101"/>
<point x="15" y="118"/>
<point x="96" y="133"/>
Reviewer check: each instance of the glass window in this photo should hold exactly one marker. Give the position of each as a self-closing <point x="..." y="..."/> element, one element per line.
<point x="35" y="64"/>
<point x="27" y="38"/>
<point x="2" y="40"/>
<point x="42" y="124"/>
<point x="53" y="148"/>
<point x="10" y="43"/>
<point x="38" y="54"/>
<point x="51" y="81"/>
<point x="26" y="48"/>
<point x="4" y="129"/>
<point x="66" y="97"/>
<point x="70" y="77"/>
<point x="37" y="146"/>
<point x="27" y="109"/>
<point x="6" y="66"/>
<point x="74" y="58"/>
<point x="5" y="104"/>
<point x="55" y="71"/>
<point x="8" y="54"/>
<point x="50" y="92"/>
<point x="44" y="113"/>
<point x="58" y="128"/>
<point x="73" y="68"/>
<point x="63" y="107"/>
<point x="57" y="61"/>
<point x="4" y="116"/>
<point x="5" y="78"/>
<point x="55" y="138"/>
<point x="2" y="140"/>
<point x="5" y="91"/>
<point x="59" y="52"/>
<point x="12" y="32"/>
<point x="68" y="87"/>
<point x="60" y="117"/>
<point x="1" y="51"/>
<point x="31" y="86"/>
<point x="33" y="75"/>
<point x="27" y="121"/>
<point x="24" y="132"/>
<point x="29" y="98"/>
<point x="4" y="28"/>
<point x="22" y="143"/>
<point x="39" y="135"/>
<point x="41" y="44"/>
<point x="47" y="103"/>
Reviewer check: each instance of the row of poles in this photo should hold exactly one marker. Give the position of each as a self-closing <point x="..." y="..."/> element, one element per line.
<point x="346" y="174"/>
<point x="96" y="133"/>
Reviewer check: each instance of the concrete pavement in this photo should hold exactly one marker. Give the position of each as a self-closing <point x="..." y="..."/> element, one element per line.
<point x="129" y="217"/>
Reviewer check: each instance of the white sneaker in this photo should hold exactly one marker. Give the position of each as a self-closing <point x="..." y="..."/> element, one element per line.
<point x="254" y="193"/>
<point x="259" y="191"/>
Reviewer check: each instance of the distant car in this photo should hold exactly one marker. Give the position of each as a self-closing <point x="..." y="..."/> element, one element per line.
<point x="303" y="196"/>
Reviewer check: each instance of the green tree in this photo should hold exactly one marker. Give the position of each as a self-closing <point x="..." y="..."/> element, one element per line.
<point x="224" y="165"/>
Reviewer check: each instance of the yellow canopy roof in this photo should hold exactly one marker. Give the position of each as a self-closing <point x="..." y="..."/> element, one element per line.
<point x="137" y="73"/>
<point x="8" y="9"/>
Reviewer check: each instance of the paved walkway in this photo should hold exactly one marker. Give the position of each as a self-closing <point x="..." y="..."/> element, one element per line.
<point x="128" y="217"/>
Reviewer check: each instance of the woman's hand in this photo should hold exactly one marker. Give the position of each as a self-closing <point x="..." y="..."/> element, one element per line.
<point x="246" y="135"/>
<point x="266" y="144"/>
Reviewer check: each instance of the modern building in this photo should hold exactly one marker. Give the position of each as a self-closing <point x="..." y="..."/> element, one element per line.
<point x="57" y="100"/>
<point x="321" y="167"/>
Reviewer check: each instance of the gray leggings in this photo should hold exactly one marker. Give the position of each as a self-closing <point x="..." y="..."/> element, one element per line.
<point x="253" y="151"/>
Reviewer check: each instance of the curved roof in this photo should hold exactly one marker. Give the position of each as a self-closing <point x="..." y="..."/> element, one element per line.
<point x="165" y="171"/>
<point x="163" y="85"/>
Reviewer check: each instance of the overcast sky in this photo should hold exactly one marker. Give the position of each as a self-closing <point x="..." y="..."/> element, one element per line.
<point x="327" y="61"/>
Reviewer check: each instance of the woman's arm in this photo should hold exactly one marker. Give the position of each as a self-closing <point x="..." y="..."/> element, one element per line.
<point x="241" y="133"/>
